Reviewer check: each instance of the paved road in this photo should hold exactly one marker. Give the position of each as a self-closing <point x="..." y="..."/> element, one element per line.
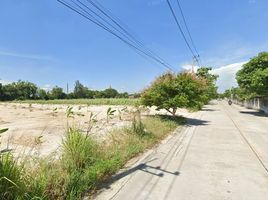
<point x="221" y="155"/>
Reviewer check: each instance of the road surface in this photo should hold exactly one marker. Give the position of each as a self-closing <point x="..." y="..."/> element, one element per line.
<point x="221" y="155"/>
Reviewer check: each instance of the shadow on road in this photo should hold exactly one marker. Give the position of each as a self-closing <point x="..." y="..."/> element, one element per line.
<point x="156" y="171"/>
<point x="179" y="120"/>
<point x="208" y="109"/>
<point x="255" y="113"/>
<point x="196" y="122"/>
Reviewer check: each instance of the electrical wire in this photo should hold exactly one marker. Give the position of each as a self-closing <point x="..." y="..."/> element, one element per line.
<point x="88" y="13"/>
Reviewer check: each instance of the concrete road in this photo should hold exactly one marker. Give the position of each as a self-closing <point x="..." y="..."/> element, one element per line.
<point x="221" y="155"/>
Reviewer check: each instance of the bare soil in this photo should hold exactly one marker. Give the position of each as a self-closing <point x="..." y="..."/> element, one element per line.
<point x="39" y="129"/>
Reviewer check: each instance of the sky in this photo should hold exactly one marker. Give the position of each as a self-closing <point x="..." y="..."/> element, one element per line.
<point x="46" y="43"/>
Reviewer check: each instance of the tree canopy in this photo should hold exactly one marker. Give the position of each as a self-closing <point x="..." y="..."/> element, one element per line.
<point x="253" y="77"/>
<point x="210" y="83"/>
<point x="173" y="91"/>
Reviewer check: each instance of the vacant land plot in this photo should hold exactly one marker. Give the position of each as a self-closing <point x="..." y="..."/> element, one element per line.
<point x="40" y="128"/>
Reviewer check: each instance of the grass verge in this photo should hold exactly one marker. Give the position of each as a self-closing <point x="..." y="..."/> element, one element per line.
<point x="84" y="163"/>
<point x="85" y="101"/>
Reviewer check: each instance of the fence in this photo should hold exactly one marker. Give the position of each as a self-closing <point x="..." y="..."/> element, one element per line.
<point x="256" y="103"/>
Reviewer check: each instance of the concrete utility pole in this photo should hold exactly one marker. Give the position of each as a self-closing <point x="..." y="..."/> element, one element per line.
<point x="67" y="89"/>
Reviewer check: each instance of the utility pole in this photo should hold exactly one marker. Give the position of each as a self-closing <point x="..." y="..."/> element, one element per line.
<point x="67" y="89"/>
<point x="195" y="63"/>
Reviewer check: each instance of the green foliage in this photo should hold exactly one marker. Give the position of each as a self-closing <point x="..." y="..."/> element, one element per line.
<point x="79" y="150"/>
<point x="210" y="83"/>
<point x="171" y="92"/>
<point x="23" y="90"/>
<point x="57" y="93"/>
<point x="42" y="94"/>
<point x="110" y="93"/>
<point x="253" y="77"/>
<point x="81" y="91"/>
<point x="12" y="180"/>
<point x="109" y="113"/>
<point x="3" y="130"/>
<point x="20" y="90"/>
<point x="69" y="112"/>
<point x="238" y="93"/>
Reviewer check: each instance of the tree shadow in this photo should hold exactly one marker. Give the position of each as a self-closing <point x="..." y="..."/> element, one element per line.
<point x="208" y="109"/>
<point x="180" y="120"/>
<point x="196" y="122"/>
<point x="255" y="113"/>
<point x="144" y="167"/>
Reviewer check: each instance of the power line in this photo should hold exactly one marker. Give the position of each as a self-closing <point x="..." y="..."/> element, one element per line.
<point x="198" y="60"/>
<point x="84" y="11"/>
<point x="117" y="22"/>
<point x="187" y="28"/>
<point x="179" y="26"/>
<point x="195" y="57"/>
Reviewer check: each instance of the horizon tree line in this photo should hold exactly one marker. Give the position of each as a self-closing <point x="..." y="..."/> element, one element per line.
<point x="25" y="90"/>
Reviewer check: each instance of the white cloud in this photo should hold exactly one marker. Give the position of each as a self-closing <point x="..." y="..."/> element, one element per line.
<point x="47" y="87"/>
<point x="189" y="67"/>
<point x="226" y="74"/>
<point x="27" y="56"/>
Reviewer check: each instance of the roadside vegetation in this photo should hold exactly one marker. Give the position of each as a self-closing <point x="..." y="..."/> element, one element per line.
<point x="83" y="163"/>
<point x="101" y="101"/>
<point x="252" y="79"/>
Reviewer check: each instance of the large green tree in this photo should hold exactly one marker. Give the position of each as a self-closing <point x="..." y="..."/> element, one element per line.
<point x="253" y="77"/>
<point x="171" y="91"/>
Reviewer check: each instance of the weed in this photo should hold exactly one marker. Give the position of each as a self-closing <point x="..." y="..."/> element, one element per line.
<point x="109" y="114"/>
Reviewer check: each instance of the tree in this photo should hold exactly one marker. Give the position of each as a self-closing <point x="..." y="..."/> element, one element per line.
<point x="123" y="95"/>
<point x="253" y="77"/>
<point x="210" y="80"/>
<point x="171" y="91"/>
<point x="57" y="93"/>
<point x="10" y="92"/>
<point x="80" y="91"/>
<point x="110" y="93"/>
<point x="26" y="90"/>
<point x="42" y="94"/>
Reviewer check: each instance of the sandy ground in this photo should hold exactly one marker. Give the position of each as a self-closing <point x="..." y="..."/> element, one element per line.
<point x="40" y="129"/>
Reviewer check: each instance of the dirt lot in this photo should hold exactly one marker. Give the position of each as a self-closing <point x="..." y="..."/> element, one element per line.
<point x="39" y="129"/>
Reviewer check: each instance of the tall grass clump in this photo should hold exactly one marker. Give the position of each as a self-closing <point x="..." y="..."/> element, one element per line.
<point x="79" y="150"/>
<point x="12" y="178"/>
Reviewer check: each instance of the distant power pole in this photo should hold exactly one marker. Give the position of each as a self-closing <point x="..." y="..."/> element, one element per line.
<point x="195" y="61"/>
<point x="67" y="89"/>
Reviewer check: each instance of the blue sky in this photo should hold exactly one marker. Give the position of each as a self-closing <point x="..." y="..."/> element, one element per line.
<point x="45" y="43"/>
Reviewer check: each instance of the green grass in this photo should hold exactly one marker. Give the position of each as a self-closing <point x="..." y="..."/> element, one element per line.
<point x="84" y="163"/>
<point x="85" y="101"/>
